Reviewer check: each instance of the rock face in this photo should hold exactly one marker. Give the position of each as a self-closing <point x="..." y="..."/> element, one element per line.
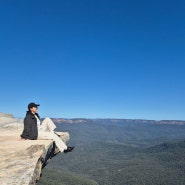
<point x="7" y="120"/>
<point x="21" y="162"/>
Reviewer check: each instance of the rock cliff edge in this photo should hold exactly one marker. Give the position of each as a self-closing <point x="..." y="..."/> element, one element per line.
<point x="21" y="162"/>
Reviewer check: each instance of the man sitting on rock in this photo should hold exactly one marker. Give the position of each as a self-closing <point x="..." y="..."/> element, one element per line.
<point x="34" y="129"/>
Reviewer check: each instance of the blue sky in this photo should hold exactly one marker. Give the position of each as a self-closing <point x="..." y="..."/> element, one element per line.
<point x="93" y="59"/>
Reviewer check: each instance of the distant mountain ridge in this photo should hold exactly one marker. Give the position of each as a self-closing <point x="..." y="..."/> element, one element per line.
<point x="110" y="120"/>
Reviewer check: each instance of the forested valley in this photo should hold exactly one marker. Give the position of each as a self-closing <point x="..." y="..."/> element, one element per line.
<point x="119" y="153"/>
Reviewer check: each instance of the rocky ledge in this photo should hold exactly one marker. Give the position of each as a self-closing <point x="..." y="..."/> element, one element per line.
<point x="21" y="162"/>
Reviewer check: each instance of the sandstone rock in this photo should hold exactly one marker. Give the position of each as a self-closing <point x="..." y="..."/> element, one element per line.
<point x="21" y="162"/>
<point x="8" y="121"/>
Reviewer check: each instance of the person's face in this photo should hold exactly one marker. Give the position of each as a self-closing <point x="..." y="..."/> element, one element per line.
<point x="34" y="109"/>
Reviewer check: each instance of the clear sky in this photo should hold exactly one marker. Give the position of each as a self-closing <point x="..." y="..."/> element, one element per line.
<point x="93" y="59"/>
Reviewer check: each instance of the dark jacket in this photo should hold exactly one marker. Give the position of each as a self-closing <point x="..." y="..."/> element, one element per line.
<point x="30" y="126"/>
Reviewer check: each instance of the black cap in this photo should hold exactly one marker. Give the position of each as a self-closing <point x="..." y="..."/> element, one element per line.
<point x="30" y="105"/>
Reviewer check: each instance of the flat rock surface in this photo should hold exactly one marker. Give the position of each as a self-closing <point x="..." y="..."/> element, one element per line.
<point x="19" y="159"/>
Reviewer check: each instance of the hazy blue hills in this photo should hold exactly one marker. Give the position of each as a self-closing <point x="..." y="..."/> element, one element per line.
<point x="118" y="153"/>
<point x="118" y="121"/>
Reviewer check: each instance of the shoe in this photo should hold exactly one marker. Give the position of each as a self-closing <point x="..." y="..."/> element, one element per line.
<point x="69" y="149"/>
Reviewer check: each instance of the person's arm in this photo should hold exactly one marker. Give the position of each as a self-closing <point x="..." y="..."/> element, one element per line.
<point x="26" y="131"/>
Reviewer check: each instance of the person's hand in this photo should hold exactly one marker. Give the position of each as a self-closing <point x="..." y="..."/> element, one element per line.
<point x="21" y="139"/>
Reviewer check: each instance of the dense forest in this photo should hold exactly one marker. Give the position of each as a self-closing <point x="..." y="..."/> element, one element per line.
<point x="118" y="154"/>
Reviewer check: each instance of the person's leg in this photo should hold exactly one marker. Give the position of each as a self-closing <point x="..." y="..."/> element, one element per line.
<point x="50" y="135"/>
<point x="48" y="125"/>
<point x="64" y="136"/>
